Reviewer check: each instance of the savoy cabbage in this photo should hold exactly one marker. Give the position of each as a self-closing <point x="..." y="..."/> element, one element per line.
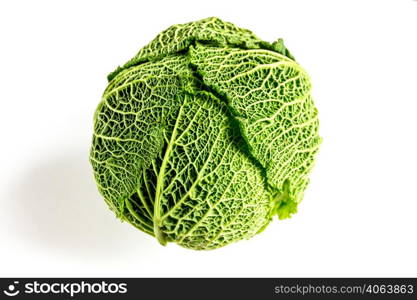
<point x="205" y="135"/>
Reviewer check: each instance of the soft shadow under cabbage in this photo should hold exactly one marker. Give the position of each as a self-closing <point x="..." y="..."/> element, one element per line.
<point x="55" y="205"/>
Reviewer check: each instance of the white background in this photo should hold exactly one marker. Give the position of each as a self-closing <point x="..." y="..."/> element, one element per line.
<point x="359" y="214"/>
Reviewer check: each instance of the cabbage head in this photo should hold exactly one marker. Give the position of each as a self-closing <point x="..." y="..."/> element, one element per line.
<point x="205" y="135"/>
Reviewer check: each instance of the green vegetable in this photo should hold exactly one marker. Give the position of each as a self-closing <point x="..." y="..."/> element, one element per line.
<point x="205" y="135"/>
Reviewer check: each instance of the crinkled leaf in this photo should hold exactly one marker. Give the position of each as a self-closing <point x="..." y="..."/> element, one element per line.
<point x="205" y="135"/>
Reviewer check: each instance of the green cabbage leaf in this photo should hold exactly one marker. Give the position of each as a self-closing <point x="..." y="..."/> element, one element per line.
<point x="205" y="135"/>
